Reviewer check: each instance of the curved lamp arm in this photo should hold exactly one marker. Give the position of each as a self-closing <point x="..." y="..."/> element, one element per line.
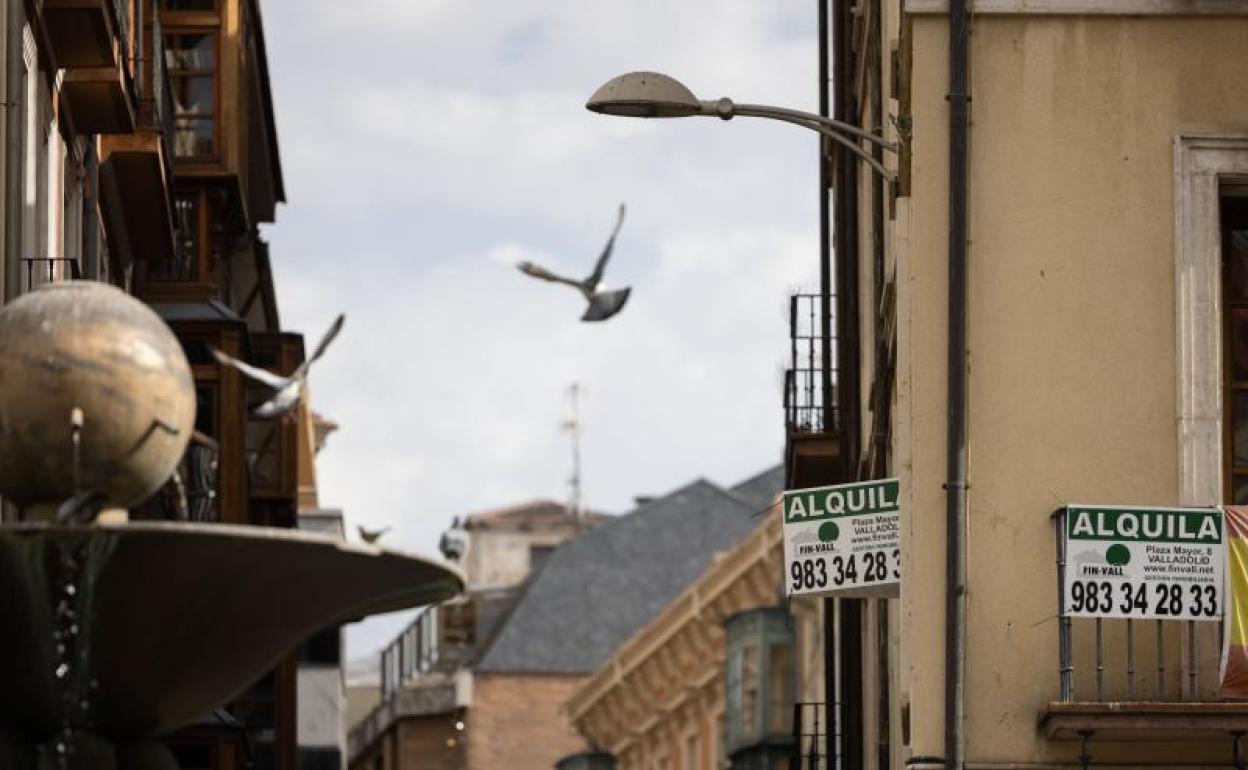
<point x="726" y="109"/>
<point x="782" y="113"/>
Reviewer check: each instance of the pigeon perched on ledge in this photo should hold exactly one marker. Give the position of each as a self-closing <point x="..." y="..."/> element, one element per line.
<point x="371" y="536"/>
<point x="288" y="390"/>
<point x="602" y="304"/>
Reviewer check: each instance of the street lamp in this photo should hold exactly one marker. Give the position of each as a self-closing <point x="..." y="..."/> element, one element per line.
<point x="655" y="95"/>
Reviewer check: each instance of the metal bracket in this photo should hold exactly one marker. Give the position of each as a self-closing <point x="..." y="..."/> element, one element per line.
<point x="1085" y="759"/>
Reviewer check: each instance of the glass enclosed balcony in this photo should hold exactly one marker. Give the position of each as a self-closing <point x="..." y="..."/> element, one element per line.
<point x="759" y="689"/>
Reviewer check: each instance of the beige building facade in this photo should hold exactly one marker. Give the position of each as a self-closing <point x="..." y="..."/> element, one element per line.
<point x="1108" y="149"/>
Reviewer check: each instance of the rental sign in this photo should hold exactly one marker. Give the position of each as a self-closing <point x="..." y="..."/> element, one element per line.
<point x="843" y="540"/>
<point x="1143" y="563"/>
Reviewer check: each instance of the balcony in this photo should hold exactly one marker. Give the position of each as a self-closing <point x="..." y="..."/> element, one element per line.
<point x="759" y="689"/>
<point x="810" y="735"/>
<point x="84" y="33"/>
<point x="137" y="168"/>
<point x="423" y="673"/>
<point x="1135" y="680"/>
<point x="88" y="39"/>
<point x="811" y="414"/>
<point x="440" y="639"/>
<point x="39" y="271"/>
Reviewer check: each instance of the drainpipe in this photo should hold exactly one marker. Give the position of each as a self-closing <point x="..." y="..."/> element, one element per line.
<point x="830" y="418"/>
<point x="845" y="226"/>
<point x="955" y="487"/>
<point x="15" y="141"/>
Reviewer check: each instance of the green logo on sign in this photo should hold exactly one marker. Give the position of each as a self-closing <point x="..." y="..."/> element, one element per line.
<point x="1118" y="555"/>
<point x="828" y="531"/>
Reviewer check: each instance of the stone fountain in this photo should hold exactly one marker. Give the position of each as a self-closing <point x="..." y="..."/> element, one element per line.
<point x="113" y="634"/>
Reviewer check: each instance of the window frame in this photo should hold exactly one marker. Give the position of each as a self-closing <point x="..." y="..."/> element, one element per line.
<point x="1230" y="385"/>
<point x="1203" y="164"/>
<point x="177" y="75"/>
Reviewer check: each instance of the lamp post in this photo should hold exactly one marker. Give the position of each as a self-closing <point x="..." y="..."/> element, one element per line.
<point x="655" y="95"/>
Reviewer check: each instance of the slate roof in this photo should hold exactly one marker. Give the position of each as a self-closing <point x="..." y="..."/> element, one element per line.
<point x="761" y="490"/>
<point x="598" y="590"/>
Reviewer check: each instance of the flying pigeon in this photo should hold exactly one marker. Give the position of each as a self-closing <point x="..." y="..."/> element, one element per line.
<point x="371" y="536"/>
<point x="602" y="304"/>
<point x="287" y="390"/>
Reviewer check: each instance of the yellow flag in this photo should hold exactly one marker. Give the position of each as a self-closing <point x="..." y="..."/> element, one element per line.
<point x="1235" y="653"/>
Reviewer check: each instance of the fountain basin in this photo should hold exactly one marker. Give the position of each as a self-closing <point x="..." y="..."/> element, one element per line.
<point x="173" y="619"/>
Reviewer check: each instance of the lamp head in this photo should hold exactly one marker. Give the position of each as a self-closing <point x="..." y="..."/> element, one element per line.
<point x="646" y="95"/>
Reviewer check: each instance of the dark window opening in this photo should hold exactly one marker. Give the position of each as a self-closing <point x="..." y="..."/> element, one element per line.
<point x="1235" y="343"/>
<point x="538" y="554"/>
<point x="190" y="5"/>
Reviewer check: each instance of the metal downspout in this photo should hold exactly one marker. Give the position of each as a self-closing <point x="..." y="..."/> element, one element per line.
<point x="849" y="641"/>
<point x="15" y="141"/>
<point x="956" y="484"/>
<point x="830" y="418"/>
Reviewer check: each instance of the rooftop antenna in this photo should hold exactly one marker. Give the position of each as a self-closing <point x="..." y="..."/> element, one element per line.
<point x="572" y="426"/>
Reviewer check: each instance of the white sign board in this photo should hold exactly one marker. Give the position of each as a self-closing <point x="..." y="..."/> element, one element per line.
<point x="843" y="540"/>
<point x="1143" y="563"/>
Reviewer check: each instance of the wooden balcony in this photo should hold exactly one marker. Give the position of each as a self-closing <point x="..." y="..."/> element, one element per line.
<point x="100" y="99"/>
<point x="812" y="460"/>
<point x="138" y="171"/>
<point x="273" y="444"/>
<point x="82" y="33"/>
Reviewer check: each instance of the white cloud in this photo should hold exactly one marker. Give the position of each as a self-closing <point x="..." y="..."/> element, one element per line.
<point x="430" y="145"/>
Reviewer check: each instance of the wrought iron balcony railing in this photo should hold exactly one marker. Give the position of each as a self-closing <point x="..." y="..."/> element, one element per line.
<point x="1124" y="661"/>
<point x="191" y="493"/>
<point x="415" y="651"/>
<point x="810" y="398"/>
<point x="155" y="88"/>
<point x="121" y="18"/>
<point x="810" y="736"/>
<point x="440" y="638"/>
<point x="36" y="271"/>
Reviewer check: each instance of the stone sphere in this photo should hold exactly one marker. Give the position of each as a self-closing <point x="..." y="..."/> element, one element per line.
<point x="89" y="346"/>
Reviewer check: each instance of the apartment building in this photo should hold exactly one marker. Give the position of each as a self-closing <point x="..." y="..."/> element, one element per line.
<point x="1043" y="298"/>
<point x="141" y="150"/>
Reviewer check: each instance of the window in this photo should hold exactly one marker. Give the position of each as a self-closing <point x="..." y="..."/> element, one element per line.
<point x="691" y="752"/>
<point x="749" y="691"/>
<point x="1204" y="167"/>
<point x="1234" y="215"/>
<point x="191" y="56"/>
<point x="780" y="687"/>
<point x="538" y="554"/>
<point x="759" y="687"/>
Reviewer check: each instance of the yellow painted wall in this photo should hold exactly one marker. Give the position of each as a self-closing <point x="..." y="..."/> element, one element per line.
<point x="1072" y="333"/>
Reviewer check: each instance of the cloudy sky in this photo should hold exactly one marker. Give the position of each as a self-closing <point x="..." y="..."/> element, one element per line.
<point x="428" y="145"/>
